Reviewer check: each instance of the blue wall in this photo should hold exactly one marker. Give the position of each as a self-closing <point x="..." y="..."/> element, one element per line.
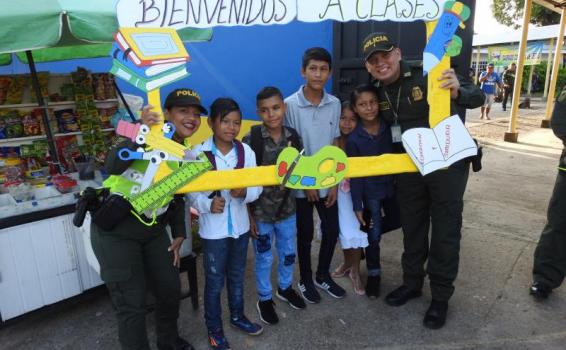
<point x="237" y="62"/>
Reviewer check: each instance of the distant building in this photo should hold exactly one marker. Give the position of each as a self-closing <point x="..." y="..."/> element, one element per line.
<point x="543" y="35"/>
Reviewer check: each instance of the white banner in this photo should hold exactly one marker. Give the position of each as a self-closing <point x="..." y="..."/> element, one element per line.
<point x="211" y="13"/>
<point x="365" y="10"/>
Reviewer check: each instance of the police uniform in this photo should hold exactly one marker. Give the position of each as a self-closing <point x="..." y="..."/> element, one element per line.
<point x="134" y="257"/>
<point x="550" y="255"/>
<point x="435" y="198"/>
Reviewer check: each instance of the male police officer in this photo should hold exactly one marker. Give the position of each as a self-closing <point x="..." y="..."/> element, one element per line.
<point x="436" y="197"/>
<point x="550" y="255"/>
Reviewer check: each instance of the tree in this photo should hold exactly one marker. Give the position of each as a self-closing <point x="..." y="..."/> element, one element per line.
<point x="510" y="13"/>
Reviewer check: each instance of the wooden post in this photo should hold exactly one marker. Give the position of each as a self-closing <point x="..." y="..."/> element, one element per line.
<point x="512" y="135"/>
<point x="530" y="83"/>
<point x="548" y="62"/>
<point x="478" y="53"/>
<point x="555" y="67"/>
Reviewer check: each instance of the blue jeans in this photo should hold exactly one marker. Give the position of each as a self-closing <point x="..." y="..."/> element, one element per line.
<point x="224" y="259"/>
<point x="285" y="233"/>
<point x="373" y="253"/>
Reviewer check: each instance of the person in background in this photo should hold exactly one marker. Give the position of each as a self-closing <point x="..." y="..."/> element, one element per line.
<point x="489" y="80"/>
<point x="508" y="83"/>
<point x="224" y="224"/>
<point x="549" y="267"/>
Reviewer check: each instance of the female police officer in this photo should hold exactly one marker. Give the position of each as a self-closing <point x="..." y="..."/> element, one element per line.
<point x="133" y="254"/>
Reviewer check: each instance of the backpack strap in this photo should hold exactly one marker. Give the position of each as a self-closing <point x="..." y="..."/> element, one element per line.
<point x="256" y="143"/>
<point x="241" y="155"/>
<point x="295" y="139"/>
<point x="211" y="158"/>
<point x="239" y="150"/>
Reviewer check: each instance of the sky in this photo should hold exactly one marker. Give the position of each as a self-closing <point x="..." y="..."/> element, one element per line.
<point x="484" y="21"/>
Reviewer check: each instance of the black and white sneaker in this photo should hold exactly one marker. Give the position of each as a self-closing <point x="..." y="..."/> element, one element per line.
<point x="267" y="312"/>
<point x="308" y="292"/>
<point x="290" y="296"/>
<point x="329" y="286"/>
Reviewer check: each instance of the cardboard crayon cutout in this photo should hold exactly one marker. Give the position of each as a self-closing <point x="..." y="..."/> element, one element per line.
<point x="326" y="168"/>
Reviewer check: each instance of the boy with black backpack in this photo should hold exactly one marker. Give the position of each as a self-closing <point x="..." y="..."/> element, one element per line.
<point x="272" y="216"/>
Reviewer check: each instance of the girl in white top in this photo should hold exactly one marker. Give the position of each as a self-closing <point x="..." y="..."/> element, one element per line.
<point x="224" y="224"/>
<point x="352" y="239"/>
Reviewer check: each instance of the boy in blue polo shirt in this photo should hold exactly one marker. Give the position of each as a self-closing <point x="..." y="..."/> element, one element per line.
<point x="315" y="115"/>
<point x="488" y="80"/>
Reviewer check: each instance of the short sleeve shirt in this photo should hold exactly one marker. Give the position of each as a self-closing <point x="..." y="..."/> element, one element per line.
<point x="488" y="86"/>
<point x="317" y="125"/>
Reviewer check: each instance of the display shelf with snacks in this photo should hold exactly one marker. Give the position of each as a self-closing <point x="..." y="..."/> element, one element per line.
<point x="37" y="202"/>
<point x="80" y="106"/>
<point x="55" y="104"/>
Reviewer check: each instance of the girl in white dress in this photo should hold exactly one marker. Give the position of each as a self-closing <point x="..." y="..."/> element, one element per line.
<point x="352" y="239"/>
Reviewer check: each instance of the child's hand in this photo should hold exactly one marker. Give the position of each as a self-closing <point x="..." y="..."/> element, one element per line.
<point x="360" y="217"/>
<point x="331" y="198"/>
<point x="217" y="205"/>
<point x="238" y="192"/>
<point x="253" y="229"/>
<point x="312" y="195"/>
<point x="148" y="117"/>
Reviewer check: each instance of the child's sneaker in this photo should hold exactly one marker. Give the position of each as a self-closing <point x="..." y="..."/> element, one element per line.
<point x="290" y="296"/>
<point x="327" y="284"/>
<point x="217" y="340"/>
<point x="308" y="292"/>
<point x="267" y="312"/>
<point x="246" y="326"/>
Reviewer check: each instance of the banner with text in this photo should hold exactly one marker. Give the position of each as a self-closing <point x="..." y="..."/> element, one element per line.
<point x="505" y="55"/>
<point x="211" y="13"/>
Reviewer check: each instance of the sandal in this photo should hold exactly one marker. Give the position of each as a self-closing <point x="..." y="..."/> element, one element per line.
<point x="340" y="271"/>
<point x="357" y="284"/>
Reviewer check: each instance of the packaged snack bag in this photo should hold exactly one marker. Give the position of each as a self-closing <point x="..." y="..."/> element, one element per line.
<point x="67" y="120"/>
<point x="32" y="126"/>
<point x="14" y="126"/>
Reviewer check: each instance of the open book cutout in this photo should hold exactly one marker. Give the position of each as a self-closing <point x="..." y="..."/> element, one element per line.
<point x="439" y="147"/>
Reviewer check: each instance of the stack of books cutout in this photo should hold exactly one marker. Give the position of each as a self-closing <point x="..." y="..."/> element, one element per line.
<point x="149" y="58"/>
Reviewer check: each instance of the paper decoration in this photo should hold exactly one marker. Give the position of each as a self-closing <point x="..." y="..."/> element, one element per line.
<point x="439" y="147"/>
<point x="154" y="196"/>
<point x="212" y="13"/>
<point x="442" y="41"/>
<point x="153" y="137"/>
<point x="149" y="46"/>
<point x="324" y="169"/>
<point x="149" y="58"/>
